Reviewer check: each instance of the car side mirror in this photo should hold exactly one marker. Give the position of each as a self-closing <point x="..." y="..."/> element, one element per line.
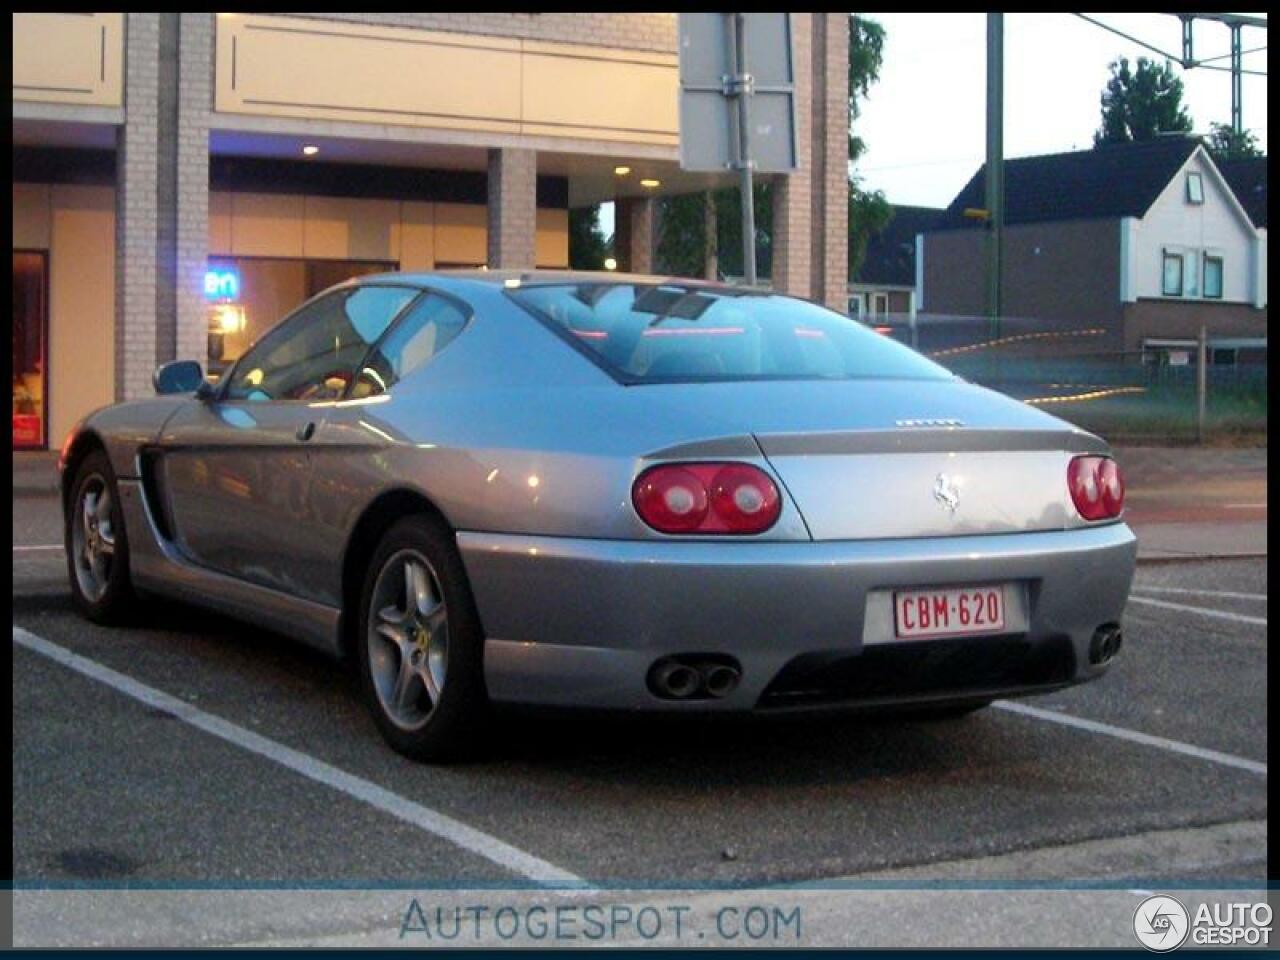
<point x="180" y="376"/>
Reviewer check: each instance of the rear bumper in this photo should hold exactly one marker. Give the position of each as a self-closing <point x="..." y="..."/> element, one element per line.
<point x="574" y="622"/>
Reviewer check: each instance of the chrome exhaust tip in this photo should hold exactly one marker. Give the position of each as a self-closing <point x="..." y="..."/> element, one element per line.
<point x="1105" y="644"/>
<point x="675" y="680"/>
<point x="720" y="680"/>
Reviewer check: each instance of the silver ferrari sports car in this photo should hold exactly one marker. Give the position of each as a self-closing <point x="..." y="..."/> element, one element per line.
<point x="610" y="491"/>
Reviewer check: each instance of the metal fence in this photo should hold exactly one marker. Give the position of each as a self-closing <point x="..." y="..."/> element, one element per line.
<point x="1076" y="373"/>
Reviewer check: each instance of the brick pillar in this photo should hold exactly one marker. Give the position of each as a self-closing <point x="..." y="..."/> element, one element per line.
<point x="633" y="234"/>
<point x="513" y="223"/>
<point x="791" y="194"/>
<point x="831" y="160"/>
<point x="191" y="239"/>
<point x="136" y="217"/>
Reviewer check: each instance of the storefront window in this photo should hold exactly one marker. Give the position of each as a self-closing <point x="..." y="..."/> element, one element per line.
<point x="30" y="339"/>
<point x="247" y="296"/>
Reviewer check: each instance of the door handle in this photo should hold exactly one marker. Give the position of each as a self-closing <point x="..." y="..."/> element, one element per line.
<point x="306" y="431"/>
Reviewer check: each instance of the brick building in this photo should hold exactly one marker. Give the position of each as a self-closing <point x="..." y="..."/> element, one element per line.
<point x="181" y="180"/>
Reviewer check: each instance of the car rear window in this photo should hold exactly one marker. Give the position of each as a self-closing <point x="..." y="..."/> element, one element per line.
<point x="663" y="333"/>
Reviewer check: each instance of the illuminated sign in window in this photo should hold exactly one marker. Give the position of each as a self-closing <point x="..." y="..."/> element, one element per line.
<point x="222" y="284"/>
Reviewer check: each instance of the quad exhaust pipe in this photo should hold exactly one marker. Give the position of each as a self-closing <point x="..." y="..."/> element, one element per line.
<point x="690" y="678"/>
<point x="1105" y="644"/>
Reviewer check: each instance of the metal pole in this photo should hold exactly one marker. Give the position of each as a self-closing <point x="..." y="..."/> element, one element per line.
<point x="995" y="166"/>
<point x="1237" y="88"/>
<point x="1202" y="357"/>
<point x="740" y="85"/>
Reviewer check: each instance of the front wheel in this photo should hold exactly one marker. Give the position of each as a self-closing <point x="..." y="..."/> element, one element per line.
<point x="420" y="645"/>
<point x="96" y="545"/>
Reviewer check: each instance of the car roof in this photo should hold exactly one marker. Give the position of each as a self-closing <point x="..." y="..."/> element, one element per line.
<point x="458" y="280"/>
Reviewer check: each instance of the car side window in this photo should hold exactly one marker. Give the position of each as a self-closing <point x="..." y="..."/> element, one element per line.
<point x="313" y="355"/>
<point x="425" y="329"/>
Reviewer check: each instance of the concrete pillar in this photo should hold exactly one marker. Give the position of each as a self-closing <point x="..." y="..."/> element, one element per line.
<point x="136" y="211"/>
<point x="633" y="234"/>
<point x="791" y="194"/>
<point x="513" y="221"/>
<point x="830" y="188"/>
<point x="191" y="213"/>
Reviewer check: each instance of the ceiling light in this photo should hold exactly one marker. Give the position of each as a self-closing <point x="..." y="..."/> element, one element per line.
<point x="310" y="150"/>
<point x="650" y="183"/>
<point x="622" y="171"/>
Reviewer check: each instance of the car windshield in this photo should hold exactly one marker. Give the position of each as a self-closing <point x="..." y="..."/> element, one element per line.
<point x="667" y="332"/>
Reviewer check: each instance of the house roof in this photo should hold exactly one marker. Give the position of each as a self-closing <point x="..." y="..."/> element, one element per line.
<point x="891" y="253"/>
<point x="1113" y="181"/>
<point x="1248" y="181"/>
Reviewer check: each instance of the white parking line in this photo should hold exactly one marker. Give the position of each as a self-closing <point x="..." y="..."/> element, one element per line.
<point x="1134" y="736"/>
<point x="1202" y="611"/>
<point x="424" y="818"/>
<point x="24" y="548"/>
<point x="1230" y="594"/>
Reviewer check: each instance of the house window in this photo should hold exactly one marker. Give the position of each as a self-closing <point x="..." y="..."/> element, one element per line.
<point x="1191" y="274"/>
<point x="1213" y="277"/>
<point x="1171" y="286"/>
<point x="855" y="306"/>
<point x="1222" y="357"/>
<point x="879" y="304"/>
<point x="1195" y="188"/>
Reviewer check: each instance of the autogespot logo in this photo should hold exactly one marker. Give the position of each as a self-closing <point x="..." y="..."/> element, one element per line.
<point x="1161" y="923"/>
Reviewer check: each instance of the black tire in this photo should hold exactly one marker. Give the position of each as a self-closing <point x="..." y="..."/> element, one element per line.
<point x="456" y="722"/>
<point x="114" y="603"/>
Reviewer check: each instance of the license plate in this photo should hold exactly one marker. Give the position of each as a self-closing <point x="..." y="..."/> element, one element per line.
<point x="948" y="613"/>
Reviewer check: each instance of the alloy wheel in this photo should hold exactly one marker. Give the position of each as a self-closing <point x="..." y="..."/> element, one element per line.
<point x="408" y="639"/>
<point x="93" y="537"/>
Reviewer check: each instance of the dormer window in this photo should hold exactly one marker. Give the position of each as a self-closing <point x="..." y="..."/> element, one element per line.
<point x="1195" y="188"/>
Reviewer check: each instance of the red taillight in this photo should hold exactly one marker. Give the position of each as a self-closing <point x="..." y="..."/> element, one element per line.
<point x="1097" y="488"/>
<point x="706" y="498"/>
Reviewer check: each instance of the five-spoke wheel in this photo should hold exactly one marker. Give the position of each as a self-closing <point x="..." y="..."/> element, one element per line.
<point x="408" y="639"/>
<point x="420" y="646"/>
<point x="97" y="549"/>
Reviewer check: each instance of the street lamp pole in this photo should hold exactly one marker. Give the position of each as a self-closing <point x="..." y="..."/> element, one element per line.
<point x="995" y="166"/>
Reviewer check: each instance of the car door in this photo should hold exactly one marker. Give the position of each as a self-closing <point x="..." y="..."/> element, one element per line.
<point x="236" y="468"/>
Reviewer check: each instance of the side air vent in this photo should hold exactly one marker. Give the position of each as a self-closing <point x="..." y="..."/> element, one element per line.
<point x="152" y="473"/>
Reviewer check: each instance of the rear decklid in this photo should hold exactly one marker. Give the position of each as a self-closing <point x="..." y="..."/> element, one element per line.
<point x="869" y="459"/>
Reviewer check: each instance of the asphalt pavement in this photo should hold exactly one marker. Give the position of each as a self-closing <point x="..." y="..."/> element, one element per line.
<point x="192" y="751"/>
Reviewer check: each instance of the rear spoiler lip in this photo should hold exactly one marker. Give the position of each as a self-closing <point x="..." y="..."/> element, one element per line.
<point x="927" y="440"/>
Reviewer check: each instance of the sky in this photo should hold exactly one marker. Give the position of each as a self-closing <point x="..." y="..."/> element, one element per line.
<point x="925" y="121"/>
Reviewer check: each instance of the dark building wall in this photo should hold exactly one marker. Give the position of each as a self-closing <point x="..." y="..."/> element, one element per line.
<point x="1066" y="274"/>
<point x="899" y="301"/>
<point x="1182" y="319"/>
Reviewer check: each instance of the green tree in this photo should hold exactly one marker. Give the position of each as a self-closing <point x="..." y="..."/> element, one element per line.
<point x="1140" y="104"/>
<point x="866" y="54"/>
<point x="1225" y="144"/>
<point x="869" y="211"/>
<point x="681" y="235"/>
<point x="587" y="244"/>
